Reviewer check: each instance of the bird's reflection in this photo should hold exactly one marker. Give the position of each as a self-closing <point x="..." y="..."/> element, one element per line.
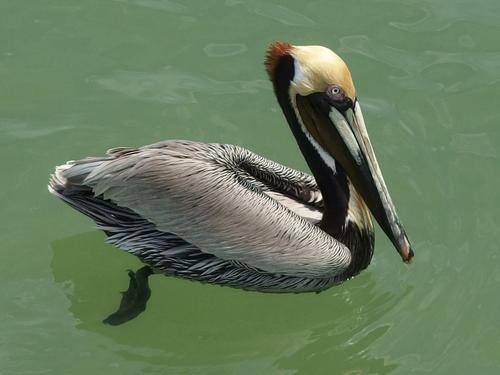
<point x="225" y="329"/>
<point x="134" y="299"/>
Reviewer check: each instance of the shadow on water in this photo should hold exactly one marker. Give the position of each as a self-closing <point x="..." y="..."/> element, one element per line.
<point x="223" y="329"/>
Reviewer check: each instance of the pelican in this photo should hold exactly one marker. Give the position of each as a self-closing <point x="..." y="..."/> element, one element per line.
<point x="218" y="213"/>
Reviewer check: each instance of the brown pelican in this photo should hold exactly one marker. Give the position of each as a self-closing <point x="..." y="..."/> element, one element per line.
<point x="221" y="214"/>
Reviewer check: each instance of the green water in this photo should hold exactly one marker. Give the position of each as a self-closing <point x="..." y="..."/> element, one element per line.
<point x="79" y="77"/>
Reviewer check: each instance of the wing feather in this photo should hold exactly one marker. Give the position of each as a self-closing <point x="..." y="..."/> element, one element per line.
<point x="226" y="201"/>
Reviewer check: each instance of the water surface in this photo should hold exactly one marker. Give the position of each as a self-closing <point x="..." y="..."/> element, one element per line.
<point x="77" y="78"/>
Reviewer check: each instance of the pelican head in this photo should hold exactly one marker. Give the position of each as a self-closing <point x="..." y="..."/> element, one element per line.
<point x="317" y="95"/>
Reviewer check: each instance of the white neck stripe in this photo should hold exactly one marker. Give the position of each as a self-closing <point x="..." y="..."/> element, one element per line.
<point x="325" y="156"/>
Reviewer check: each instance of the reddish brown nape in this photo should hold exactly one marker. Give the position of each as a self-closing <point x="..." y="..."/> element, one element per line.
<point x="275" y="51"/>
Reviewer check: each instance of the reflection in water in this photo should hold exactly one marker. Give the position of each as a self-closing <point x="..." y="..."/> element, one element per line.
<point x="222" y="328"/>
<point x="134" y="299"/>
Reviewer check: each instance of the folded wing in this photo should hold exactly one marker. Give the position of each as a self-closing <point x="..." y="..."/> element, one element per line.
<point x="221" y="200"/>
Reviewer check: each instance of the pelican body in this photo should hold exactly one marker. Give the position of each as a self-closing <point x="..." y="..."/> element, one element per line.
<point x="221" y="214"/>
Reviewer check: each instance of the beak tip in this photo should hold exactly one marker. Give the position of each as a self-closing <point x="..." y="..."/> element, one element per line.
<point x="410" y="259"/>
<point x="407" y="253"/>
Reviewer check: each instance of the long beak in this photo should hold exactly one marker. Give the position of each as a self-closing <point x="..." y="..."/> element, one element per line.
<point x="344" y="136"/>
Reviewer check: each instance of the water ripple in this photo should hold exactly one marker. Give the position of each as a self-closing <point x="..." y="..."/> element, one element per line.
<point x="439" y="15"/>
<point x="172" y="86"/>
<point x="476" y="144"/>
<point x="430" y="69"/>
<point x="224" y="49"/>
<point x="278" y="13"/>
<point x="27" y="130"/>
<point x="163" y="5"/>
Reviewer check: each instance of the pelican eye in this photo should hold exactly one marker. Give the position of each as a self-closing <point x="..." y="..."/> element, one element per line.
<point x="336" y="97"/>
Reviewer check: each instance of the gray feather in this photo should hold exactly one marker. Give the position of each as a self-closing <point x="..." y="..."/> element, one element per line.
<point x="209" y="212"/>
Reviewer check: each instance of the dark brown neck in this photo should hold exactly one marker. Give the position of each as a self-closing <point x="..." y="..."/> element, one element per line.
<point x="332" y="181"/>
